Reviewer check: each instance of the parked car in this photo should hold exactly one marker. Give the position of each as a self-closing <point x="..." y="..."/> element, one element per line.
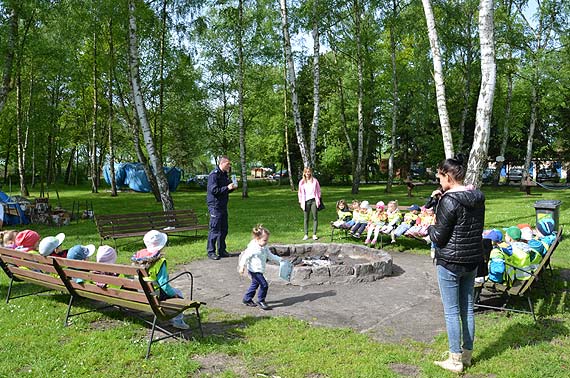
<point x="515" y="174"/>
<point x="280" y="174"/>
<point x="488" y="175"/>
<point x="548" y="174"/>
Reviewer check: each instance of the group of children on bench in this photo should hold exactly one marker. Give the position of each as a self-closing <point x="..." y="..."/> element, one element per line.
<point x="519" y="253"/>
<point x="152" y="258"/>
<point x="360" y="218"/>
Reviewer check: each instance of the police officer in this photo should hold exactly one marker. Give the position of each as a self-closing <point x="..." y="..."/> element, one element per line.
<point x="219" y="187"/>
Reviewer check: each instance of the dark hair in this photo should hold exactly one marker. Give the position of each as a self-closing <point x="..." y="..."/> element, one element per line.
<point x="455" y="167"/>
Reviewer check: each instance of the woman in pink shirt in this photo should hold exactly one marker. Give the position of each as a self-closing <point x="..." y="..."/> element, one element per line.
<point x="309" y="199"/>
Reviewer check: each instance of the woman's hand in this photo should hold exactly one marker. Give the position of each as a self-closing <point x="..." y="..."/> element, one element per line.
<point x="436" y="193"/>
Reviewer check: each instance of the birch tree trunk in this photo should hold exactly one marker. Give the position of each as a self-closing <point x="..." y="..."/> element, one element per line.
<point x="242" y="139"/>
<point x="358" y="167"/>
<point x="395" y="98"/>
<point x="532" y="127"/>
<point x="9" y="55"/>
<point x="293" y="85"/>
<point x="286" y="128"/>
<point x="478" y="154"/>
<point x="111" y="112"/>
<point x="156" y="164"/>
<point x="160" y="120"/>
<point x="22" y="139"/>
<point x="94" y="165"/>
<point x="506" y="126"/>
<point x="316" y="84"/>
<point x="438" y="79"/>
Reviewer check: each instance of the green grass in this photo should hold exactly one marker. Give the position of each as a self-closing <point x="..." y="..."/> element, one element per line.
<point x="34" y="343"/>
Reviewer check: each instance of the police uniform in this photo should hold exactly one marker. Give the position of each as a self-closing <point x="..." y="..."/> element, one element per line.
<point x="217" y="200"/>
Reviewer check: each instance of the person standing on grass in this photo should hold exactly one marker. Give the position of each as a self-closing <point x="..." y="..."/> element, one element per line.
<point x="219" y="188"/>
<point x="457" y="233"/>
<point x="310" y="199"/>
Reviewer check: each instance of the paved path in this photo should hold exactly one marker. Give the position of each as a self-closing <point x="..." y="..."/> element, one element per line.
<point x="405" y="305"/>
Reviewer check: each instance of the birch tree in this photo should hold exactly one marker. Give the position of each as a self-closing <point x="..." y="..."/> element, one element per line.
<point x="165" y="198"/>
<point x="438" y="79"/>
<point x="360" y="111"/>
<point x="395" y="95"/>
<point x="292" y="82"/>
<point x="316" y="82"/>
<point x="480" y="147"/>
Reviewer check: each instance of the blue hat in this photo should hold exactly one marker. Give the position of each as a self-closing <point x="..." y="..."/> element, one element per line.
<point x="494" y="235"/>
<point x="80" y="252"/>
<point x="545" y="226"/>
<point x="414" y="207"/>
<point x="536" y="245"/>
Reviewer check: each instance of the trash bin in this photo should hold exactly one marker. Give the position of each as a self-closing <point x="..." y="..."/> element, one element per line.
<point x="548" y="209"/>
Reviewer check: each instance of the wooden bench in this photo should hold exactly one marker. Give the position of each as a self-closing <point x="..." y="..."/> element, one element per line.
<point x="115" y="226"/>
<point x="517" y="288"/>
<point x="125" y="287"/>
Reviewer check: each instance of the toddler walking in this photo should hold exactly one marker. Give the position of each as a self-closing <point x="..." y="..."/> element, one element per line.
<point x="254" y="259"/>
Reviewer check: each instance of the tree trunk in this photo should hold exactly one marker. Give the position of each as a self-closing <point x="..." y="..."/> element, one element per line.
<point x="316" y="84"/>
<point x="166" y="199"/>
<point x="242" y="139"/>
<point x="9" y="55"/>
<point x="163" y="32"/>
<point x="438" y="79"/>
<point x="286" y="128"/>
<point x="22" y="140"/>
<point x="533" y="119"/>
<point x="94" y="165"/>
<point x="358" y="167"/>
<point x="111" y="112"/>
<point x="395" y="98"/>
<point x="467" y="90"/>
<point x="293" y="86"/>
<point x="478" y="155"/>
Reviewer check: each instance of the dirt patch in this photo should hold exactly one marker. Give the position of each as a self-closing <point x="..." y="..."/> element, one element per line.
<point x="214" y="364"/>
<point x="105" y="324"/>
<point x="405" y="370"/>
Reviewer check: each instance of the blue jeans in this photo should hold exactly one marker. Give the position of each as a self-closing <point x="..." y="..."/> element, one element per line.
<point x="257" y="281"/>
<point x="457" y="297"/>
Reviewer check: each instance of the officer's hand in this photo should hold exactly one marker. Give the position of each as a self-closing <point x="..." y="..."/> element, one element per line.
<point x="232" y="186"/>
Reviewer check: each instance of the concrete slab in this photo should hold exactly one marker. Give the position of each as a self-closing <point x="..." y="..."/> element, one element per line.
<point x="403" y="306"/>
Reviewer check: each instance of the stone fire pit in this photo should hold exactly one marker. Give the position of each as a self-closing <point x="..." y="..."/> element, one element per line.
<point x="318" y="263"/>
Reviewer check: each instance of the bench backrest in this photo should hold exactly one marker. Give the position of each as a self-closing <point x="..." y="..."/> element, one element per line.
<point x="542" y="266"/>
<point x="30" y="267"/>
<point x="110" y="224"/>
<point x="123" y="285"/>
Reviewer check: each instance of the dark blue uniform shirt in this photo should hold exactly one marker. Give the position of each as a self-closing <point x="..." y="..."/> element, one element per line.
<point x="218" y="193"/>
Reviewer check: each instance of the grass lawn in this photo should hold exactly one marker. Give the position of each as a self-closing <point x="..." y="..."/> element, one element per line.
<point x="34" y="343"/>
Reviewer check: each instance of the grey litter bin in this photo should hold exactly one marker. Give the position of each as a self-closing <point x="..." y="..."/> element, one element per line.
<point x="548" y="208"/>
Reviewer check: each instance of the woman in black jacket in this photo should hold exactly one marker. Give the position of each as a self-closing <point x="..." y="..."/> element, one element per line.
<point x="457" y="234"/>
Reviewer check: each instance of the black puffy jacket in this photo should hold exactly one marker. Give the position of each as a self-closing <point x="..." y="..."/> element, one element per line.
<point x="458" y="228"/>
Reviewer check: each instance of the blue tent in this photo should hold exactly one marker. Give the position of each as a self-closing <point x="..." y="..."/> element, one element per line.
<point x="134" y="176"/>
<point x="10" y="219"/>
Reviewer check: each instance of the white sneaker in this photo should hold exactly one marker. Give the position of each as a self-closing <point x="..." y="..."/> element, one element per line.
<point x="315" y="237"/>
<point x="179" y="323"/>
<point x="305" y="237"/>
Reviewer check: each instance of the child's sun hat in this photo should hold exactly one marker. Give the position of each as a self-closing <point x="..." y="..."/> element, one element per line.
<point x="155" y="240"/>
<point x="50" y="243"/>
<point x="81" y="252"/>
<point x="106" y="254"/>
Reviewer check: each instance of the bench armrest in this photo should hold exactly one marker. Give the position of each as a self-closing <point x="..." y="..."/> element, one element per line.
<point x="185" y="273"/>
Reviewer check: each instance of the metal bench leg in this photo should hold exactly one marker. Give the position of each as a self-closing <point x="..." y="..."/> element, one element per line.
<point x="151" y="337"/>
<point x="9" y="289"/>
<point x="199" y="323"/>
<point x="68" y="311"/>
<point x="531" y="308"/>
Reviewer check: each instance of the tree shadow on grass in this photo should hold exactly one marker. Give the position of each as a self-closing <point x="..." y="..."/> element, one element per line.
<point x="524" y="334"/>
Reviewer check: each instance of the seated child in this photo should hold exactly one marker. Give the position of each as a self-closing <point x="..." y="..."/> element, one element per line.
<point x="80" y="252"/>
<point x="343" y="212"/>
<point x="497" y="257"/>
<point x="425" y="219"/>
<point x="394" y="217"/>
<point x="253" y="261"/>
<point x="409" y="220"/>
<point x="49" y="246"/>
<point x="545" y="231"/>
<point x="377" y="221"/>
<point x="155" y="263"/>
<point x="28" y="241"/>
<point x="106" y="255"/>
<point x="360" y="218"/>
<point x="8" y="238"/>
<point x="353" y="208"/>
<point x="518" y="253"/>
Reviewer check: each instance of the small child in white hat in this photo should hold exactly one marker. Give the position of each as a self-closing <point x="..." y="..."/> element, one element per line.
<point x="155" y="264"/>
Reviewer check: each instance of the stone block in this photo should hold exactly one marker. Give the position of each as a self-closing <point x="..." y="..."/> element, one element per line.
<point x="341" y="270"/>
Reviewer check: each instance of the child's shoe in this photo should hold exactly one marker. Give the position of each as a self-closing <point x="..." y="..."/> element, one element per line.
<point x="357" y="235"/>
<point x="179" y="323"/>
<point x="315" y="237"/>
<point x="367" y="241"/>
<point x="249" y="303"/>
<point x="305" y="237"/>
<point x="373" y="242"/>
